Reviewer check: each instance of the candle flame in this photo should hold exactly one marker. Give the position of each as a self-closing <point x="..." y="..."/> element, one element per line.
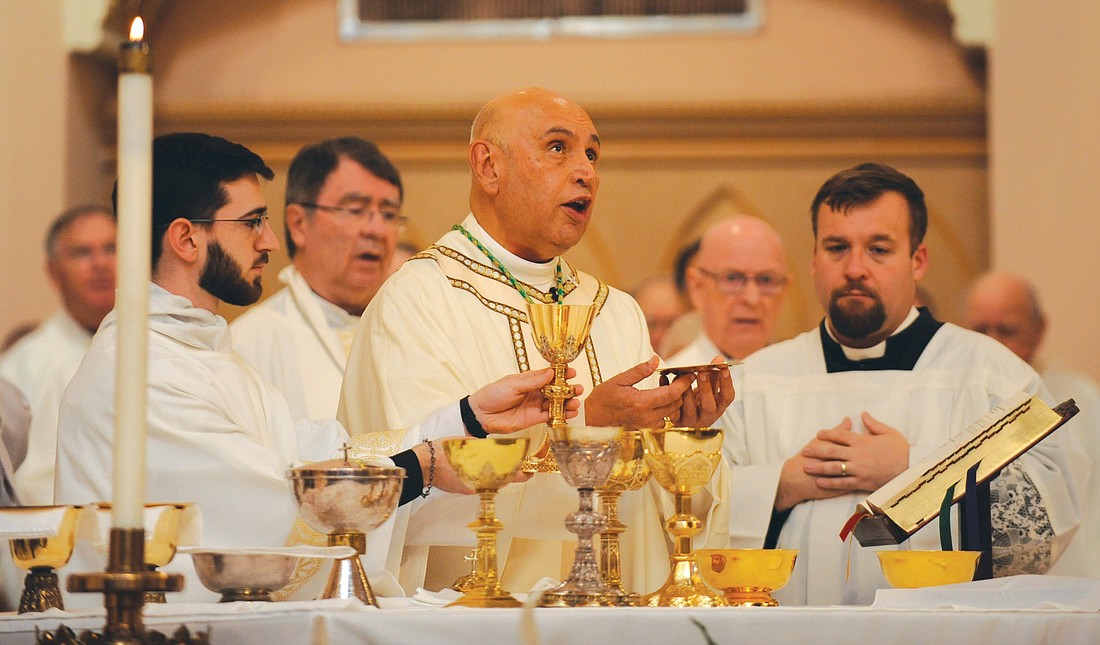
<point x="137" y="29"/>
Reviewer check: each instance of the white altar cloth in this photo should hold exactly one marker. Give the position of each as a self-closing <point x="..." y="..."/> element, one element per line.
<point x="327" y="622"/>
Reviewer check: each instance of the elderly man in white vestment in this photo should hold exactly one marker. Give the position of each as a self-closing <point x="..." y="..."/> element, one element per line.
<point x="825" y="418"/>
<point x="218" y="434"/>
<point x="454" y="318"/>
<point x="80" y="262"/>
<point x="343" y="215"/>
<point x="737" y="281"/>
<point x="1006" y="307"/>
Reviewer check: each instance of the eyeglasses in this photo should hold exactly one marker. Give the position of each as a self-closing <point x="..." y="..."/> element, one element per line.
<point x="255" y="223"/>
<point x="732" y="282"/>
<point x="360" y="210"/>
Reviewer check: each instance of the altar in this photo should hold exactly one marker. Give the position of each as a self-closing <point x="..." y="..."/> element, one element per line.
<point x="963" y="616"/>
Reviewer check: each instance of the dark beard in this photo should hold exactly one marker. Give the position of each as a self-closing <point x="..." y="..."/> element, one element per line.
<point x="858" y="322"/>
<point x="224" y="279"/>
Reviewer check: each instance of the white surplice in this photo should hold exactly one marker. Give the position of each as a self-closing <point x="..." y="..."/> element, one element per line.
<point x="1081" y="557"/>
<point x="41" y="365"/>
<point x="449" y="323"/>
<point x="293" y="339"/>
<point x="218" y="435"/>
<point x="785" y="396"/>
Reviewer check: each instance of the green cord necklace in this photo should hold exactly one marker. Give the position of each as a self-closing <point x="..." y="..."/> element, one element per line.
<point x="556" y="292"/>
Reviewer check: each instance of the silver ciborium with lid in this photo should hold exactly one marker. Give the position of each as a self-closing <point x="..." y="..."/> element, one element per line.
<point x="345" y="500"/>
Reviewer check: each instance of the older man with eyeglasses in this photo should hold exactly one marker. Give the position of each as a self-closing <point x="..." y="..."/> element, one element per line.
<point x="737" y="282"/>
<point x="343" y="217"/>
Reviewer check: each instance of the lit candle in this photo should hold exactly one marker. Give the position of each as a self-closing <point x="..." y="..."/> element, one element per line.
<point x="134" y="203"/>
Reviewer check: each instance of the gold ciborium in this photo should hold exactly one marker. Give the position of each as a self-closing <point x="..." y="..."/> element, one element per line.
<point x="682" y="461"/>
<point x="585" y="456"/>
<point x="911" y="569"/>
<point x="630" y="472"/>
<point x="485" y="465"/>
<point x="560" y="332"/>
<point x="345" y="502"/>
<point x="747" y="576"/>
<point x="40" y="557"/>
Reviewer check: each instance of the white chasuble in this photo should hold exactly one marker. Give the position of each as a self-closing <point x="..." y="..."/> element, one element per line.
<point x="217" y="435"/>
<point x="785" y="396"/>
<point x="293" y="339"/>
<point x="449" y="323"/>
<point x="41" y="365"/>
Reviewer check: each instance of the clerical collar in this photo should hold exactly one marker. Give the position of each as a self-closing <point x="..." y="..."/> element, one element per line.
<point x="898" y="352"/>
<point x="540" y="275"/>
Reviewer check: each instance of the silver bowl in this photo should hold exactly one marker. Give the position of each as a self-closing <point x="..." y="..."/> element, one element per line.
<point x="347" y="499"/>
<point x="243" y="576"/>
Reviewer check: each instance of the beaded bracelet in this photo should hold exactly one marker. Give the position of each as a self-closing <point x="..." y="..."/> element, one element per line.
<point x="431" y="468"/>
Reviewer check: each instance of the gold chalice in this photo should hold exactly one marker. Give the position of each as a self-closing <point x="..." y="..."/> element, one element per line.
<point x="485" y="465"/>
<point x="560" y="332"/>
<point x="682" y="461"/>
<point x="630" y="472"/>
<point x="747" y="576"/>
<point x="346" y="501"/>
<point x="586" y="456"/>
<point x="910" y="569"/>
<point x="41" y="556"/>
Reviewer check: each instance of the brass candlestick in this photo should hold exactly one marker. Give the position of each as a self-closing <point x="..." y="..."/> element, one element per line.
<point x="486" y="466"/>
<point x="630" y="472"/>
<point x="682" y="461"/>
<point x="560" y="332"/>
<point x="124" y="584"/>
<point x="40" y="557"/>
<point x="163" y="540"/>
<point x="585" y="456"/>
<point x="345" y="502"/>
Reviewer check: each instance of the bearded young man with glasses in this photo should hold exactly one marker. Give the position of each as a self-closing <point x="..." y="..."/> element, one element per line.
<point x="343" y="217"/>
<point x="737" y="282"/>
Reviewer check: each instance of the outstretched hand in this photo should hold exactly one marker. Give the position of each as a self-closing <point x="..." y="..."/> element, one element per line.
<point x="701" y="405"/>
<point x="516" y="401"/>
<point x="616" y="402"/>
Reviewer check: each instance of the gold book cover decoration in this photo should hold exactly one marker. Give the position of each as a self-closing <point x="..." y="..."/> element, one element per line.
<point x="916" y="496"/>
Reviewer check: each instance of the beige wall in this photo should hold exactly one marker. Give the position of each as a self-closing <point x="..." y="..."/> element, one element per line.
<point x="32" y="152"/>
<point x="1045" y="164"/>
<point x="694" y="127"/>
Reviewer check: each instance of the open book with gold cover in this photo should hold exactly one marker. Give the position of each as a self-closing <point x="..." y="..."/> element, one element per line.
<point x="915" y="497"/>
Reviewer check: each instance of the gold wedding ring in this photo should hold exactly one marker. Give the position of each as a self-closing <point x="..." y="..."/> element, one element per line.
<point x="843" y="469"/>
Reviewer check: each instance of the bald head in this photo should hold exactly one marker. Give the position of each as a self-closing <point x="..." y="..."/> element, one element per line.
<point x="533" y="163"/>
<point x="1006" y="307"/>
<point x="738" y="282"/>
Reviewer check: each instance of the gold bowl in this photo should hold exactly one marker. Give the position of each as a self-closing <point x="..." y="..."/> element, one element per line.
<point x="910" y="569"/>
<point x="243" y="576"/>
<point x="747" y="576"/>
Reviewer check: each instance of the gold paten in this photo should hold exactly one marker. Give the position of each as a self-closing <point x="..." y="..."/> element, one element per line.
<point x="485" y="465"/>
<point x="560" y="332"/>
<point x="629" y="473"/>
<point x="682" y="461"/>
<point x="747" y="576"/>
